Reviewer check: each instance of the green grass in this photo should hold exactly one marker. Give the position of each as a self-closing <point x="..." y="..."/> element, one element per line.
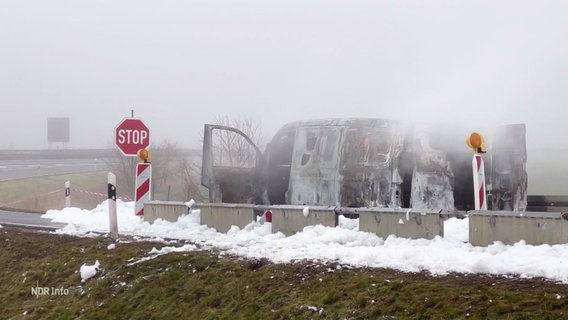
<point x="38" y="194"/>
<point x="209" y="285"/>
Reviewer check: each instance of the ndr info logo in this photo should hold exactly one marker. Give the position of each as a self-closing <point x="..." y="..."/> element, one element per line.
<point x="49" y="291"/>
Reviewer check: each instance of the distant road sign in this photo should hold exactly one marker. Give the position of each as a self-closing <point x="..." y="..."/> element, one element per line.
<point x="131" y="135"/>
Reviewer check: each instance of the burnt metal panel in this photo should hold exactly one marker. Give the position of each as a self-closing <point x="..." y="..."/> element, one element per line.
<point x="508" y="179"/>
<point x="314" y="176"/>
<point x="369" y="162"/>
<point x="278" y="155"/>
<point x="433" y="178"/>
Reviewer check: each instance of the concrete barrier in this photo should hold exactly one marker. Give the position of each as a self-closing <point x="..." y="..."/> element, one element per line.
<point x="166" y="210"/>
<point x="485" y="227"/>
<point x="404" y="223"/>
<point x="509" y="227"/>
<point x="290" y="219"/>
<point x="222" y="216"/>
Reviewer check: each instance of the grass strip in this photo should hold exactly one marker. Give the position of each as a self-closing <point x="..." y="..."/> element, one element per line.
<point x="209" y="285"/>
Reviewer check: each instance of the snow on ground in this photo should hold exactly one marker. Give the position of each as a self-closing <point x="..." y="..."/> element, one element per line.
<point x="343" y="244"/>
<point x="89" y="271"/>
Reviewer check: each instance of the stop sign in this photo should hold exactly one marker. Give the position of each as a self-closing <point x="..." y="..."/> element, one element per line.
<point x="131" y="135"/>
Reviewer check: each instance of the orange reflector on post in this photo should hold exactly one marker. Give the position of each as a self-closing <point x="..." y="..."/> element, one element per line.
<point x="475" y="142"/>
<point x="143" y="155"/>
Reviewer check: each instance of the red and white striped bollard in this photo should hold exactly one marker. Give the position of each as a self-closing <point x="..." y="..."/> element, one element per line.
<point x="143" y="187"/>
<point x="479" y="182"/>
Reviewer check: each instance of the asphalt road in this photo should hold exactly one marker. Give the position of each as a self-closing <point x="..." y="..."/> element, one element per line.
<point x="18" y="169"/>
<point x="26" y="219"/>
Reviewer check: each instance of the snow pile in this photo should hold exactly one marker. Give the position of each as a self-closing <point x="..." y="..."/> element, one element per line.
<point x="87" y="271"/>
<point x="344" y="244"/>
<point x="111" y="246"/>
<point x="154" y="253"/>
<point x="314" y="309"/>
<point x="457" y="230"/>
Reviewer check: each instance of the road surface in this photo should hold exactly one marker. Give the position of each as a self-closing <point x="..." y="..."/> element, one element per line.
<point x="19" y="169"/>
<point x="26" y="219"/>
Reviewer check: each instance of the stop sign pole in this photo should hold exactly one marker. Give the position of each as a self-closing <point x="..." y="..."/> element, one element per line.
<point x="132" y="135"/>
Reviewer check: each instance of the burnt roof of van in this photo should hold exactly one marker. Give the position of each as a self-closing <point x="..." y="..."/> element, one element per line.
<point x="354" y="122"/>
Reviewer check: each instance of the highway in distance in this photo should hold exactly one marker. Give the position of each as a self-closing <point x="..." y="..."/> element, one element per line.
<point x="19" y="169"/>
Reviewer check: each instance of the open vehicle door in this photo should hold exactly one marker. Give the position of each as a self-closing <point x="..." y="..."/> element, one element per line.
<point x="231" y="166"/>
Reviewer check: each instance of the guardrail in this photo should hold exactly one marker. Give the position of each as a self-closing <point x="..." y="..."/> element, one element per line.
<point x="508" y="227"/>
<point x="485" y="227"/>
<point x="290" y="219"/>
<point x="545" y="203"/>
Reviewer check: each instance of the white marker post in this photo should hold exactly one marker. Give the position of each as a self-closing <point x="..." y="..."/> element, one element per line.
<point x="475" y="142"/>
<point x="67" y="194"/>
<point x="113" y="224"/>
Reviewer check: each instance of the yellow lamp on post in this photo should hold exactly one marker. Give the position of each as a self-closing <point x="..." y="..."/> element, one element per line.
<point x="143" y="155"/>
<point x="476" y="142"/>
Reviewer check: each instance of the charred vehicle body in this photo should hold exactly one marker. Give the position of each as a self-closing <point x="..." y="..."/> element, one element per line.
<point x="363" y="163"/>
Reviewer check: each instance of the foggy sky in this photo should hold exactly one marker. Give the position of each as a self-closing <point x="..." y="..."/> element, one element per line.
<point x="179" y="64"/>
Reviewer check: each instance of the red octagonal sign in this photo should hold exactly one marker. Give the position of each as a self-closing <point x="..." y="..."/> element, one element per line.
<point x="131" y="135"/>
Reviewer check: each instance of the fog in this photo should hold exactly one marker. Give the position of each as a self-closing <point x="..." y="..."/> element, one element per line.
<point x="180" y="64"/>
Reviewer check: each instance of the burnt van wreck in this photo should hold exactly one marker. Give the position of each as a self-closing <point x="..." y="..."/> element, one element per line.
<point x="364" y="163"/>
